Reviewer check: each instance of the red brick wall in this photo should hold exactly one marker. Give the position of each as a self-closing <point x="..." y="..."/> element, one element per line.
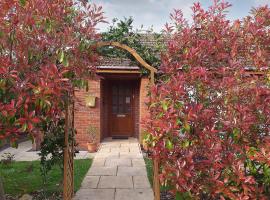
<point x="137" y="109"/>
<point x="144" y="99"/>
<point x="104" y="110"/>
<point x="98" y="116"/>
<point x="86" y="116"/>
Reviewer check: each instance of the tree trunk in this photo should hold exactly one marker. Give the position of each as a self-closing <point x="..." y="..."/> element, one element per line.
<point x="2" y="193"/>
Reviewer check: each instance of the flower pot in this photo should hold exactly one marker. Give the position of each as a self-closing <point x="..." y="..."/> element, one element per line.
<point x="92" y="147"/>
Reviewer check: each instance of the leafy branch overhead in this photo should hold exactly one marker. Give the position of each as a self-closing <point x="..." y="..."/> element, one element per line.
<point x="42" y="59"/>
<point x="146" y="43"/>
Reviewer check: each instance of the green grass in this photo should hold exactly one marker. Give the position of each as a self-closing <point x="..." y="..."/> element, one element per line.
<point x="149" y="169"/>
<point x="25" y="177"/>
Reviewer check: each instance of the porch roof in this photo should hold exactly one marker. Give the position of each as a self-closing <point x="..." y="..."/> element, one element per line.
<point x="119" y="67"/>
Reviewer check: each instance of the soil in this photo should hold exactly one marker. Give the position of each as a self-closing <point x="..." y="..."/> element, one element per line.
<point x="166" y="196"/>
<point x="39" y="195"/>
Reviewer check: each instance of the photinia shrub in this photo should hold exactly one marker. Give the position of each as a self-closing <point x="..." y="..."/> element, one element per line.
<point x="210" y="111"/>
<point x="44" y="53"/>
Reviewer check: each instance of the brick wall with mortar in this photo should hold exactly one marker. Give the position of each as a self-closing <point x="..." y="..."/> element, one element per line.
<point x="105" y="109"/>
<point x="98" y="116"/>
<point x="137" y="109"/>
<point x="144" y="100"/>
<point x="85" y="116"/>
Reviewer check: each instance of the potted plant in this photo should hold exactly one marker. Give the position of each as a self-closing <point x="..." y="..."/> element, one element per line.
<point x="92" y="145"/>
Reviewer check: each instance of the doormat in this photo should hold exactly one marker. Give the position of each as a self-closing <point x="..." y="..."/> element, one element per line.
<point x="120" y="137"/>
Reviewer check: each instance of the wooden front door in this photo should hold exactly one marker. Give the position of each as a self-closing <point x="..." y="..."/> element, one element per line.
<point x="121" y="120"/>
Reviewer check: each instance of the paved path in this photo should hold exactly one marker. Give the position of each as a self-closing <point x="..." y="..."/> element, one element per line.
<point x="118" y="173"/>
<point x="24" y="153"/>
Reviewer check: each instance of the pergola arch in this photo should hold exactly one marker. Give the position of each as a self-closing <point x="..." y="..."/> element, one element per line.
<point x="134" y="54"/>
<point x="68" y="182"/>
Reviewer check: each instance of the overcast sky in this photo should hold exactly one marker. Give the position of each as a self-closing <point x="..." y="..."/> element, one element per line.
<point x="156" y="12"/>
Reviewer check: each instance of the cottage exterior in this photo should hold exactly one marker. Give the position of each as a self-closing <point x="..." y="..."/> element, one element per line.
<point x="121" y="95"/>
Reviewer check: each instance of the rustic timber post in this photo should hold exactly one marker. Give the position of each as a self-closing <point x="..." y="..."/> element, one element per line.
<point x="68" y="182"/>
<point x="156" y="184"/>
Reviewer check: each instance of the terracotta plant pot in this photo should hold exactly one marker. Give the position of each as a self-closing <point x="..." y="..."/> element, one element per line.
<point x="92" y="147"/>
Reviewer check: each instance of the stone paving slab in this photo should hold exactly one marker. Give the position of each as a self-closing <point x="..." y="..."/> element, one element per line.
<point x="107" y="155"/>
<point x="118" y="173"/>
<point x="130" y="155"/>
<point x="105" y="150"/>
<point x="134" y="194"/>
<point x="138" y="162"/>
<point x="135" y="144"/>
<point x="118" y="162"/>
<point x="98" y="162"/>
<point x="115" y="182"/>
<point x="90" y="182"/>
<point x="95" y="194"/>
<point x="141" y="182"/>
<point x="102" y="171"/>
<point x="131" y="171"/>
<point x="120" y="149"/>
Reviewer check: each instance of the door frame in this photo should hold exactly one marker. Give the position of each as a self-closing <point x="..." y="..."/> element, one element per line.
<point x="132" y="84"/>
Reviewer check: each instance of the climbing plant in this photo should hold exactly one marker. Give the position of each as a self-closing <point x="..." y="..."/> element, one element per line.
<point x="209" y="124"/>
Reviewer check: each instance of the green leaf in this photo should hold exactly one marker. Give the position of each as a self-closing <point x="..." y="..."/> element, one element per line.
<point x="159" y="115"/>
<point x="236" y="134"/>
<point x="61" y="56"/>
<point x="14" y="144"/>
<point x="1" y="34"/>
<point x="22" y="2"/>
<point x="65" y="61"/>
<point x="178" y="196"/>
<point x="48" y="25"/>
<point x="185" y="143"/>
<point x="169" y="144"/>
<point x="164" y="105"/>
<point x="183" y="196"/>
<point x="178" y="121"/>
<point x="12" y="120"/>
<point x="187" y="127"/>
<point x="185" y="51"/>
<point x="24" y="127"/>
<point x="252" y="151"/>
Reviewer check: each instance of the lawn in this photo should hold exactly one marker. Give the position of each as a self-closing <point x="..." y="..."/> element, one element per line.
<point x="149" y="169"/>
<point x="25" y="177"/>
<point x="163" y="189"/>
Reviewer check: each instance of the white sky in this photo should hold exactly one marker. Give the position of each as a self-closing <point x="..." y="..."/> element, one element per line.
<point x="156" y="12"/>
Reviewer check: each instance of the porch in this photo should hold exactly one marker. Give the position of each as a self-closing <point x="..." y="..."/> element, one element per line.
<point x="120" y="106"/>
